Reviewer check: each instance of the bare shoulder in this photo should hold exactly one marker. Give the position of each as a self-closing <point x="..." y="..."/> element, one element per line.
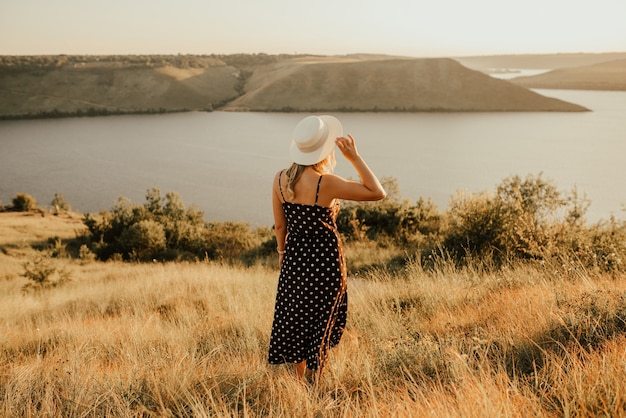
<point x="280" y="180"/>
<point x="278" y="175"/>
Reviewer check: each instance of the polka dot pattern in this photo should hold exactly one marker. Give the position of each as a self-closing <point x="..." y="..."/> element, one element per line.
<point x="311" y="301"/>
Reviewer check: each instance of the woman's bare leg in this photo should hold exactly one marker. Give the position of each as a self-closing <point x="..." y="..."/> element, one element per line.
<point x="300" y="369"/>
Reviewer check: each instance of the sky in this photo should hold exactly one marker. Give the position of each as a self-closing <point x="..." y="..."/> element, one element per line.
<point x="419" y="28"/>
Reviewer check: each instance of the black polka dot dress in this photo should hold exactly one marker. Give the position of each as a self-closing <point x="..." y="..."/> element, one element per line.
<point x="311" y="301"/>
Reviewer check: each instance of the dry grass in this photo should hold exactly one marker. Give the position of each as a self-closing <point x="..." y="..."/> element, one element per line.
<point x="21" y="231"/>
<point x="191" y="340"/>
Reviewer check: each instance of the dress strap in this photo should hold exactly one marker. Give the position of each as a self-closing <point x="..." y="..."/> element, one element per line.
<point x="280" y="187"/>
<point x="317" y="192"/>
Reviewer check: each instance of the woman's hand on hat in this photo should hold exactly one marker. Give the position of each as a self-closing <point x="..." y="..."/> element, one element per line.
<point x="347" y="147"/>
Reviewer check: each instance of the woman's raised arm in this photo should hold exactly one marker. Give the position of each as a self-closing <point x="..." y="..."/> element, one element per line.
<point x="368" y="189"/>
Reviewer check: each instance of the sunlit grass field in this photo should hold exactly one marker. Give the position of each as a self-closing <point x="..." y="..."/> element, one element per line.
<point x="190" y="339"/>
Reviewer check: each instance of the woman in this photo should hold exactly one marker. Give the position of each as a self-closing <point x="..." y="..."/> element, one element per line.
<point x="311" y="301"/>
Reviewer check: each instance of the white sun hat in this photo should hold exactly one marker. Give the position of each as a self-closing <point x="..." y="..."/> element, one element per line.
<point x="314" y="139"/>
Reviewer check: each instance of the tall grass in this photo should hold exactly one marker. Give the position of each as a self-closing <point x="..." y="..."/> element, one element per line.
<point x="190" y="339"/>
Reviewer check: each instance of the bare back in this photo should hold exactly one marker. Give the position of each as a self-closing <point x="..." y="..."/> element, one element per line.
<point x="306" y="189"/>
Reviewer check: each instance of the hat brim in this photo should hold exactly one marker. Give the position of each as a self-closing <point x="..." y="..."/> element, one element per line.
<point x="335" y="130"/>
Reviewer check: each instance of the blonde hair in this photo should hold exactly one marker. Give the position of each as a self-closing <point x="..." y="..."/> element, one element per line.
<point x="327" y="165"/>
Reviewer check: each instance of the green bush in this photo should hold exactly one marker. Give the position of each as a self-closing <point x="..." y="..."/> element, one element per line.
<point x="143" y="241"/>
<point x="602" y="246"/>
<point x="394" y="221"/>
<point x="530" y="210"/>
<point x="525" y="219"/>
<point x="227" y="240"/>
<point x="475" y="226"/>
<point x="23" y="202"/>
<point x="165" y="229"/>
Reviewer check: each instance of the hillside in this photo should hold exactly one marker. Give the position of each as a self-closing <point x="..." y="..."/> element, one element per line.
<point x="70" y="85"/>
<point x="356" y="84"/>
<point x="603" y="76"/>
<point x="115" y="86"/>
<point x="538" y="61"/>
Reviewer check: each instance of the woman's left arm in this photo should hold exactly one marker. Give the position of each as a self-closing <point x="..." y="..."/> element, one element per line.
<point x="280" y="222"/>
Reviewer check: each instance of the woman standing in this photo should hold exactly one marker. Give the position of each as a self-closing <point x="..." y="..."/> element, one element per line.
<point x="311" y="301"/>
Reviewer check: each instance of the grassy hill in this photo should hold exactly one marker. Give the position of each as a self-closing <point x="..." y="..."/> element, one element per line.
<point x="609" y="75"/>
<point x="67" y="85"/>
<point x="115" y="86"/>
<point x="358" y="84"/>
<point x="191" y="339"/>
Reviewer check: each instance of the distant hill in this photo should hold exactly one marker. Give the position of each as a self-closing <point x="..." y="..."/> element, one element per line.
<point x="538" y="61"/>
<point x="604" y="76"/>
<point x="105" y="86"/>
<point x="379" y="84"/>
<point x="75" y="85"/>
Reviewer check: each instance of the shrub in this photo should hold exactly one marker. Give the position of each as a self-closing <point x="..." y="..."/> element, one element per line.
<point x="164" y="229"/>
<point x="42" y="274"/>
<point x="57" y="248"/>
<point x="227" y="240"/>
<point x="59" y="205"/>
<point x="23" y="202"/>
<point x="529" y="210"/>
<point x="143" y="241"/>
<point x="85" y="254"/>
<point x="605" y="246"/>
<point x="526" y="219"/>
<point x="394" y="220"/>
<point x="475" y="226"/>
<point x="420" y="225"/>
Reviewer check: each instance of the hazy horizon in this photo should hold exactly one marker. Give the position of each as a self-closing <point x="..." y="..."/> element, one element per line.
<point x="326" y="27"/>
